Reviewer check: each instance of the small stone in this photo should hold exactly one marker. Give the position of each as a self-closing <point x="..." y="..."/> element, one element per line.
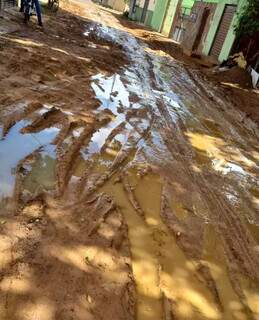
<point x="89" y="299"/>
<point x="117" y="180"/>
<point x="178" y="234"/>
<point x="87" y="260"/>
<point x="3" y="222"/>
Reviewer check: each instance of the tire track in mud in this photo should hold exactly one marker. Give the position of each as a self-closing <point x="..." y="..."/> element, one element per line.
<point x="159" y="266"/>
<point x="176" y="274"/>
<point x="238" y="244"/>
<point x="243" y="243"/>
<point x="214" y="198"/>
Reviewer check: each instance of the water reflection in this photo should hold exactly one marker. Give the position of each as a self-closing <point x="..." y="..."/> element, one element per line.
<point x="14" y="147"/>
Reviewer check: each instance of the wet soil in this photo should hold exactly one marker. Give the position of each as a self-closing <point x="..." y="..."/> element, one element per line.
<point x="128" y="182"/>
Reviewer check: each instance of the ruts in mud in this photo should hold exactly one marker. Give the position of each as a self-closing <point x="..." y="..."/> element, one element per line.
<point x="140" y="202"/>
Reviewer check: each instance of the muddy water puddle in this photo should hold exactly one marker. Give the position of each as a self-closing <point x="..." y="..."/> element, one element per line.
<point x="114" y="97"/>
<point x="169" y="274"/>
<point x="168" y="279"/>
<point x="112" y="94"/>
<point x="41" y="176"/>
<point x="15" y="147"/>
<point x="222" y="158"/>
<point x="168" y="282"/>
<point x="161" y="270"/>
<point x="214" y="258"/>
<point x="110" y="91"/>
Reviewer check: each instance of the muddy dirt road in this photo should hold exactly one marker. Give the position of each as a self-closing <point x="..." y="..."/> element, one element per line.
<point x="128" y="183"/>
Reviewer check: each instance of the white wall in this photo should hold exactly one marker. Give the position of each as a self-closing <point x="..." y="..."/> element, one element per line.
<point x="118" y="5"/>
<point x="140" y="3"/>
<point x="152" y="4"/>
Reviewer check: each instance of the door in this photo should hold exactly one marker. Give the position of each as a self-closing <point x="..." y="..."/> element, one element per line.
<point x="204" y="20"/>
<point x="222" y="31"/>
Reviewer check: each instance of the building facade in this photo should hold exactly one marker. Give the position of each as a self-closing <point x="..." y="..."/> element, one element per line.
<point x="118" y="5"/>
<point x="158" y="14"/>
<point x="164" y="15"/>
<point x="210" y="29"/>
<point x="204" y="28"/>
<point x="165" y="12"/>
<point x="142" y="11"/>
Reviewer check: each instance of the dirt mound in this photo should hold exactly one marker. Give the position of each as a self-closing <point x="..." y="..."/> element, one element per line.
<point x="237" y="86"/>
<point x="235" y="76"/>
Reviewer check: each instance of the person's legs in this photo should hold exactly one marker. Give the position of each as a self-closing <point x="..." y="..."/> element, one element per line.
<point x="38" y="11"/>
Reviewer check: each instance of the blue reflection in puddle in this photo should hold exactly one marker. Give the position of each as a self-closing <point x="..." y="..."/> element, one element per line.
<point x="14" y="147"/>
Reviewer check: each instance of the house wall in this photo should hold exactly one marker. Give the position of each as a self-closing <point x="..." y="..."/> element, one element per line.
<point x="212" y="7"/>
<point x="149" y="18"/>
<point x="136" y="15"/>
<point x="192" y="28"/>
<point x="169" y="17"/>
<point x="197" y="27"/>
<point x="230" y="38"/>
<point x="118" y="5"/>
<point x="187" y="3"/>
<point x="159" y="13"/>
<point x="152" y="4"/>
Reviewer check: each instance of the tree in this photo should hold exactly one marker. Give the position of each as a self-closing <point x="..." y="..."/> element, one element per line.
<point x="248" y="19"/>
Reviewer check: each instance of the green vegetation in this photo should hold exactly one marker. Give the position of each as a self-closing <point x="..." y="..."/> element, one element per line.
<point x="187" y="3"/>
<point x="248" y="22"/>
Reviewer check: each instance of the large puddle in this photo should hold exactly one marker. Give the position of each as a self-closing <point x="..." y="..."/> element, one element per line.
<point x="112" y="94"/>
<point x="168" y="131"/>
<point x="41" y="176"/>
<point x="15" y="146"/>
<point x="194" y="126"/>
<point x="161" y="270"/>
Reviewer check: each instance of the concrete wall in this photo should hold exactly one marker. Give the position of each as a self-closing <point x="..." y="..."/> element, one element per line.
<point x="118" y="5"/>
<point x="192" y="28"/>
<point x="136" y="15"/>
<point x="151" y="6"/>
<point x="230" y="38"/>
<point x="159" y="14"/>
<point x="169" y="17"/>
<point x="149" y="17"/>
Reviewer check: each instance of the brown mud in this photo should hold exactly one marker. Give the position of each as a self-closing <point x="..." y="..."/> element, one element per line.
<point x="128" y="182"/>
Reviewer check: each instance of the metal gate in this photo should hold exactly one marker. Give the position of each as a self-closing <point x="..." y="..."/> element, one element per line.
<point x="7" y="4"/>
<point x="222" y="31"/>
